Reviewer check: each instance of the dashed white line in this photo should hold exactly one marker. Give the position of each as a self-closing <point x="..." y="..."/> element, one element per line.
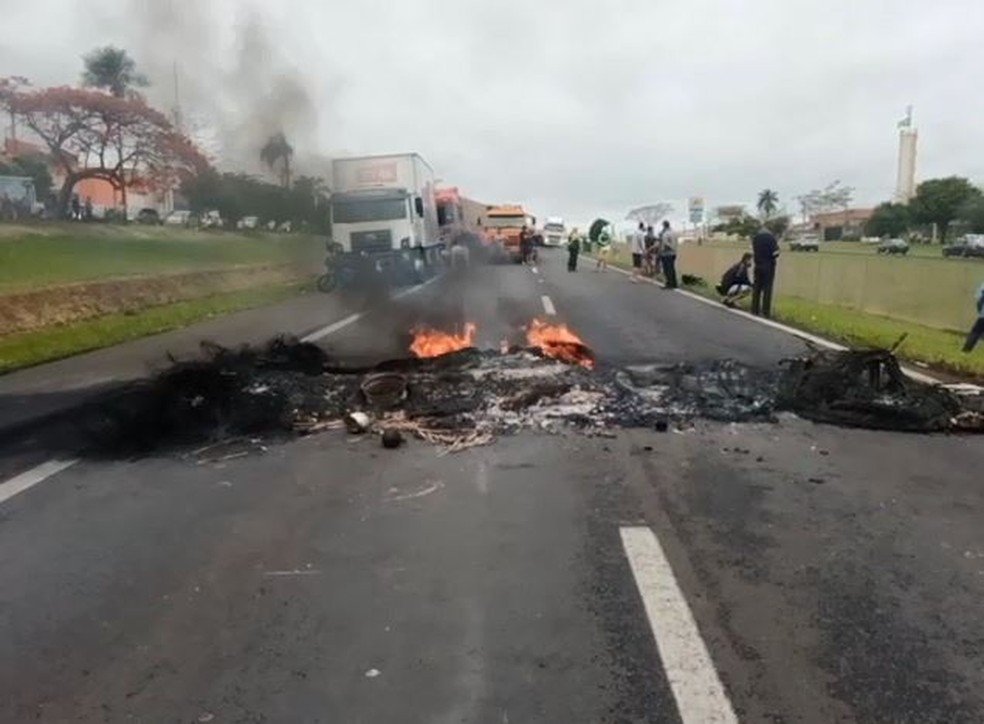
<point x="696" y="686"/>
<point x="32" y="477"/>
<point x="548" y="306"/>
<point x="353" y="318"/>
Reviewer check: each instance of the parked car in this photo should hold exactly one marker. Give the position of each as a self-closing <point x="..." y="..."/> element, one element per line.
<point x="248" y="222"/>
<point x="805" y="243"/>
<point x="149" y="216"/>
<point x="893" y="246"/>
<point x="969" y="245"/>
<point x="178" y="218"/>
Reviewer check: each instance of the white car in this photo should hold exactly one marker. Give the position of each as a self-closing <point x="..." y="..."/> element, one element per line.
<point x="177" y="218"/>
<point x="248" y="222"/>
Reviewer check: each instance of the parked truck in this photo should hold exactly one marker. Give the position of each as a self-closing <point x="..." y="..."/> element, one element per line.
<point x="503" y="225"/>
<point x="383" y="221"/>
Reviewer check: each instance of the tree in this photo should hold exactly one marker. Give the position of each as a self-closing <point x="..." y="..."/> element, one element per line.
<point x="768" y="202"/>
<point x="972" y="214"/>
<point x="744" y="226"/>
<point x="835" y="196"/>
<point x="890" y="220"/>
<point x="278" y="151"/>
<point x="778" y="225"/>
<point x="597" y="226"/>
<point x="111" y="69"/>
<point x="939" y="201"/>
<point x="650" y="215"/>
<point x="94" y="135"/>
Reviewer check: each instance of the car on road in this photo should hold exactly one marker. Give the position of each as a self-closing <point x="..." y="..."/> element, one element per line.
<point x="969" y="245"/>
<point x="149" y="216"/>
<point x="805" y="243"/>
<point x="248" y="222"/>
<point x="893" y="246"/>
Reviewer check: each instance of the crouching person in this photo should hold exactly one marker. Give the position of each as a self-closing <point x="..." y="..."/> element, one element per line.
<point x="736" y="284"/>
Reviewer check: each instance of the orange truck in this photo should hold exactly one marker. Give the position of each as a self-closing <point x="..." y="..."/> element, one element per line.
<point x="503" y="225"/>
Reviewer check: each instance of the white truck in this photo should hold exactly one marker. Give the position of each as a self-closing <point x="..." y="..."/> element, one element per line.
<point x="383" y="220"/>
<point x="554" y="232"/>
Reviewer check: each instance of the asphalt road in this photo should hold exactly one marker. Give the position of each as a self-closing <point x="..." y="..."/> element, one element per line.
<point x="780" y="572"/>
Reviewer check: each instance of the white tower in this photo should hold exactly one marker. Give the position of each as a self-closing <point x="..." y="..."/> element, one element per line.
<point x="905" y="187"/>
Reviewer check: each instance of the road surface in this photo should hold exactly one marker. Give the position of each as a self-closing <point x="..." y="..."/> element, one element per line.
<point x="785" y="572"/>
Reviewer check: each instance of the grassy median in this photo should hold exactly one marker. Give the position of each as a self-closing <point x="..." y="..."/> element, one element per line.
<point x="45" y="345"/>
<point x="48" y="254"/>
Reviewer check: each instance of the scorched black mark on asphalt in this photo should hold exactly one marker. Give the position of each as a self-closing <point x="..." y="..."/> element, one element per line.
<point x="288" y="387"/>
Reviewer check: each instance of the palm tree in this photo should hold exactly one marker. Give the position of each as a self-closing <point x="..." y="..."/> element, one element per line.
<point x="768" y="202"/>
<point x="278" y="150"/>
<point x="111" y="69"/>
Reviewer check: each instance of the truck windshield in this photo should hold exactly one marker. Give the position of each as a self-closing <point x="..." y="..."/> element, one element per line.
<point x="355" y="211"/>
<point x="504" y="222"/>
<point x="554" y="227"/>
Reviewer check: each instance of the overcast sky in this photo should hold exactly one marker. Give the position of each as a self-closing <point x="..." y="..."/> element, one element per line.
<point x="574" y="107"/>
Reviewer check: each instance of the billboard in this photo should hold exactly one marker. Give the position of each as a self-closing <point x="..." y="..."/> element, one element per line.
<point x="695" y="205"/>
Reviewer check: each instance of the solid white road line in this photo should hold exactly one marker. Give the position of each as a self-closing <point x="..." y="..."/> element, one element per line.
<point x="697" y="689"/>
<point x="32" y="477"/>
<point x="353" y="318"/>
<point x="820" y="341"/>
<point x="548" y="306"/>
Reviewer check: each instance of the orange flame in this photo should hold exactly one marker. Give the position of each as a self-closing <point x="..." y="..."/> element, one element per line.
<point x="432" y="343"/>
<point x="559" y="342"/>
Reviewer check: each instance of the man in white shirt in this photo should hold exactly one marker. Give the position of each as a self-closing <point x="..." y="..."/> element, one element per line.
<point x="638" y="245"/>
<point x="668" y="254"/>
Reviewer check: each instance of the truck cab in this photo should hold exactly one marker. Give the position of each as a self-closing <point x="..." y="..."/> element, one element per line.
<point x="554" y="232"/>
<point x="503" y="225"/>
<point x="384" y="214"/>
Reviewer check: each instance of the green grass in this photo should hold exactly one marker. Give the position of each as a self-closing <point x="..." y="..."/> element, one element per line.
<point x="43" y="255"/>
<point x="926" y="251"/>
<point x="31" y="348"/>
<point x="937" y="348"/>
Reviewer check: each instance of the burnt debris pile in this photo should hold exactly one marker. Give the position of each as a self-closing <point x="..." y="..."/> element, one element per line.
<point x="288" y="387"/>
<point x="867" y="388"/>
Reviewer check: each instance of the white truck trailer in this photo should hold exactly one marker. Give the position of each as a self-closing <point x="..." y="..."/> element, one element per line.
<point x="383" y="219"/>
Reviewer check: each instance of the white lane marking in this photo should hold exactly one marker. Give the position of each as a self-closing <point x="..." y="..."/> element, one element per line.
<point x="911" y="373"/>
<point x="30" y="478"/>
<point x="298" y="572"/>
<point x="699" y="694"/>
<point x="535" y="270"/>
<point x="353" y="318"/>
<point x="332" y="328"/>
<point x="548" y="306"/>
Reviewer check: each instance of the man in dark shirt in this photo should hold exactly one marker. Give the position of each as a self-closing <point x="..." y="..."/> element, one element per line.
<point x="765" y="249"/>
<point x="735" y="283"/>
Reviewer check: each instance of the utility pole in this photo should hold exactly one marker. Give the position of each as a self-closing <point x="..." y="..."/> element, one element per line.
<point x="176" y="112"/>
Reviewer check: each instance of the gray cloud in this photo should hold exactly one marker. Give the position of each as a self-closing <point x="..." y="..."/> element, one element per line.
<point x="578" y="107"/>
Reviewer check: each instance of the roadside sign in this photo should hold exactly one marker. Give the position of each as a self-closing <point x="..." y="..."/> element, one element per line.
<point x="696" y="208"/>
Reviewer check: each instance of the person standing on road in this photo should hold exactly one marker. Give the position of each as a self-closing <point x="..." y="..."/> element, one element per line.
<point x="650" y="260"/>
<point x="668" y="254"/>
<point x="604" y="250"/>
<point x="735" y="284"/>
<point x="573" y="249"/>
<point x="638" y="245"/>
<point x="525" y="244"/>
<point x="977" y="331"/>
<point x="765" y="249"/>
